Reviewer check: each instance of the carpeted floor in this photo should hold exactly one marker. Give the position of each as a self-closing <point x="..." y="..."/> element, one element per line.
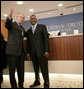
<point x="56" y="81"/>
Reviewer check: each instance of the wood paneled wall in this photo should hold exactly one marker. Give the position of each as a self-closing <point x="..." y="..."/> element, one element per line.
<point x="66" y="48"/>
<point x="3" y="29"/>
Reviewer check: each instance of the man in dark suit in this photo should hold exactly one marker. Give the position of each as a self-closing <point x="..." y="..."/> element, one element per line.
<point x="14" y="49"/>
<point x="38" y="50"/>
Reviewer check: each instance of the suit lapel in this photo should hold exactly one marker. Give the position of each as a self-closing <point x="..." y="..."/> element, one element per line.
<point x="36" y="29"/>
<point x="16" y="25"/>
<point x="31" y="31"/>
<point x="18" y="28"/>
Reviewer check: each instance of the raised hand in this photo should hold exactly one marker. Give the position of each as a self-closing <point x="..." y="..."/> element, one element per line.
<point x="11" y="12"/>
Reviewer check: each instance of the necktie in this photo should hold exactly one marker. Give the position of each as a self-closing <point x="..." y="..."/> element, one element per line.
<point x="21" y="29"/>
<point x="33" y="29"/>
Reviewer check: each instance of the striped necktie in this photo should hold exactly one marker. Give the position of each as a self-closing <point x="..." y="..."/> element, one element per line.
<point x="21" y="29"/>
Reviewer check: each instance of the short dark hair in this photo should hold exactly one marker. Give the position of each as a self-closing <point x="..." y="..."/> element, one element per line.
<point x="32" y="15"/>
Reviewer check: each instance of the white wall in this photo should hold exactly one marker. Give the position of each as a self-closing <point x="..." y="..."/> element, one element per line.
<point x="65" y="67"/>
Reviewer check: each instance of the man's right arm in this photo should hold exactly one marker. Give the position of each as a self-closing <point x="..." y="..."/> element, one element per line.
<point x="8" y="23"/>
<point x="28" y="45"/>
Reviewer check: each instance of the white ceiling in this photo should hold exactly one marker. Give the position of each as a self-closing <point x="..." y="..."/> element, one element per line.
<point x="41" y="6"/>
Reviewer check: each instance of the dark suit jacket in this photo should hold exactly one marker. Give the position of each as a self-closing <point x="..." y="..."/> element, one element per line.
<point x="15" y="39"/>
<point x="39" y="41"/>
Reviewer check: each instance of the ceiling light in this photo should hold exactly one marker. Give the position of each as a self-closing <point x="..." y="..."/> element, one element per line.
<point x="20" y="2"/>
<point x="31" y="10"/>
<point x="28" y="16"/>
<point x="60" y="5"/>
<point x="49" y="13"/>
<point x="5" y="15"/>
<point x="74" y="9"/>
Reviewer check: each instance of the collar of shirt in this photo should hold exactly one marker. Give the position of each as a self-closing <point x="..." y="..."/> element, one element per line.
<point x="34" y="26"/>
<point x="18" y="23"/>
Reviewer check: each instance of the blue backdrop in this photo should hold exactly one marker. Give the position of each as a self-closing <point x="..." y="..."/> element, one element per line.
<point x="65" y="23"/>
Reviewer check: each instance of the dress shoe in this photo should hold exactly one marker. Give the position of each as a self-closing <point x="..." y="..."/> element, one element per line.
<point x="14" y="87"/>
<point x="35" y="84"/>
<point x="20" y="85"/>
<point x="46" y="86"/>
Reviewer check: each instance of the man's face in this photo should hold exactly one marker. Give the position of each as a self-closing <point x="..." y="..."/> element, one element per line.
<point x="33" y="20"/>
<point x="20" y="18"/>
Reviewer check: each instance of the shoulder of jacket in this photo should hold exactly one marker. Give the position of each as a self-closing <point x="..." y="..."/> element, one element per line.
<point x="29" y="29"/>
<point x="42" y="25"/>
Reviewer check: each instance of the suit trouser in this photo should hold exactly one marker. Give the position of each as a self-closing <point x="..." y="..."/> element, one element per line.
<point x="16" y="62"/>
<point x="41" y="63"/>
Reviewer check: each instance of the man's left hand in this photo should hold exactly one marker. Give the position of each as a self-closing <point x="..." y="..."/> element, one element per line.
<point x="46" y="54"/>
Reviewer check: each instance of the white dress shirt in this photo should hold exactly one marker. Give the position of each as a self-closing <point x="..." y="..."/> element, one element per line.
<point x="34" y="27"/>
